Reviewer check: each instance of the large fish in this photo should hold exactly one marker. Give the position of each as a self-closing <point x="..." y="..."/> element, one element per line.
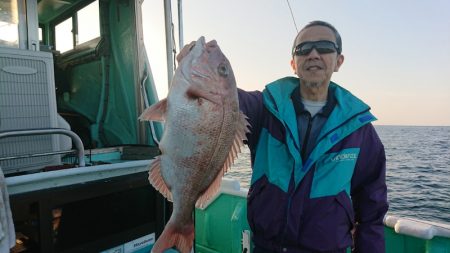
<point x="204" y="130"/>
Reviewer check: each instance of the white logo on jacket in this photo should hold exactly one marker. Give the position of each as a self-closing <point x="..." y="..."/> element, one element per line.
<point x="344" y="157"/>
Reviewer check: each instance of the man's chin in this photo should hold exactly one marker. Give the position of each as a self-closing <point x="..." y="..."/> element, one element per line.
<point x="312" y="83"/>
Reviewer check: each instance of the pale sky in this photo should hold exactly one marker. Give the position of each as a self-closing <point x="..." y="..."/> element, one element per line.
<point x="397" y="53"/>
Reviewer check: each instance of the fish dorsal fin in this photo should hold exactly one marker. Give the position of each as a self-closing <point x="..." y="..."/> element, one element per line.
<point x="239" y="137"/>
<point x="155" y="178"/>
<point x="156" y="112"/>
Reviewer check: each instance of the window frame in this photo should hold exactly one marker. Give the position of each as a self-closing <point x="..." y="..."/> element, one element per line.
<point x="73" y="13"/>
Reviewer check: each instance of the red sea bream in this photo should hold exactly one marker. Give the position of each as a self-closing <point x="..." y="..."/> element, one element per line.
<point x="204" y="130"/>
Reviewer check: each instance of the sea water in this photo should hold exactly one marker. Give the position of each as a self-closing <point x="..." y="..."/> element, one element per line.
<point x="417" y="171"/>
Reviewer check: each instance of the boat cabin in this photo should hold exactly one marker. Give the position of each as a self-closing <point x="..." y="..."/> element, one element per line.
<point x="74" y="77"/>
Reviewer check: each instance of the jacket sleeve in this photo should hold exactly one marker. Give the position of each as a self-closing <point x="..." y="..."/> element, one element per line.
<point x="369" y="194"/>
<point x="251" y="104"/>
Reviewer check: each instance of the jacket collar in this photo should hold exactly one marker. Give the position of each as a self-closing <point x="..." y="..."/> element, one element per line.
<point x="300" y="108"/>
<point x="277" y="98"/>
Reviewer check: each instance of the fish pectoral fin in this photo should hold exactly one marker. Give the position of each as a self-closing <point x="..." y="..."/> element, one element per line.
<point x="155" y="178"/>
<point x="195" y="92"/>
<point x="155" y="112"/>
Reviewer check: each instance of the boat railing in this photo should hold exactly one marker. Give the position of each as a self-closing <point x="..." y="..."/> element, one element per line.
<point x="81" y="175"/>
<point x="417" y="228"/>
<point x="422" y="229"/>
<point x="33" y="132"/>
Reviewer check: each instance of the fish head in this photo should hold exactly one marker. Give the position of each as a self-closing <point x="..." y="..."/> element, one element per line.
<point x="207" y="67"/>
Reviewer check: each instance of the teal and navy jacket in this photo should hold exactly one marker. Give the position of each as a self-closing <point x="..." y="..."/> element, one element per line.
<point x="331" y="200"/>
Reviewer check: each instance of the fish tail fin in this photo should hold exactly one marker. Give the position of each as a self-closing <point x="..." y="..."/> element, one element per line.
<point x="170" y="237"/>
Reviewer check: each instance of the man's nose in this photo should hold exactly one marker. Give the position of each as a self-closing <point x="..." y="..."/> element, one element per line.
<point x="313" y="54"/>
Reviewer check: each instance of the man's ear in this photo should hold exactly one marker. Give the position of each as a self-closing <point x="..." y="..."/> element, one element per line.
<point x="340" y="60"/>
<point x="293" y="66"/>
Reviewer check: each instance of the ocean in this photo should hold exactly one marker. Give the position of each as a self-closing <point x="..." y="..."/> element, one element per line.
<point x="417" y="174"/>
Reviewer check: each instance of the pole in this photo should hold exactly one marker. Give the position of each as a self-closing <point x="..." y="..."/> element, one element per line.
<point x="169" y="41"/>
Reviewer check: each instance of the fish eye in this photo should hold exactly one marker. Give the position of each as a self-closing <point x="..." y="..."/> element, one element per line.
<point x="223" y="70"/>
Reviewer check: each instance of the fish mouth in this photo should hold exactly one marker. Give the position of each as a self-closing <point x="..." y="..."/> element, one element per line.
<point x="200" y="45"/>
<point x="196" y="65"/>
<point x="188" y="61"/>
<point x="200" y="48"/>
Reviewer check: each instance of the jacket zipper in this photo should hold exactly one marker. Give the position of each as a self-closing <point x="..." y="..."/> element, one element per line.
<point x="303" y="153"/>
<point x="305" y="142"/>
<point x="289" y="200"/>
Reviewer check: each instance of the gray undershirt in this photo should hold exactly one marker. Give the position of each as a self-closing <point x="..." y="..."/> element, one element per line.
<point x="313" y="107"/>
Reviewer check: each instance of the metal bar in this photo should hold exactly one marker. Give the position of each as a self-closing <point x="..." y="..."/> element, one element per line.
<point x="23" y="35"/>
<point x="147" y="105"/>
<point x="33" y="26"/>
<point x="37" y="155"/>
<point x="180" y="24"/>
<point x="139" y="71"/>
<point x="77" y="141"/>
<point x="169" y="40"/>
<point x="58" y="178"/>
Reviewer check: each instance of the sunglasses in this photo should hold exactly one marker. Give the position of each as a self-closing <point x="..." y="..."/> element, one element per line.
<point x="321" y="46"/>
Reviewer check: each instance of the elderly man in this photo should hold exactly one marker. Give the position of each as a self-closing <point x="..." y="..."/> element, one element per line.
<point x="318" y="182"/>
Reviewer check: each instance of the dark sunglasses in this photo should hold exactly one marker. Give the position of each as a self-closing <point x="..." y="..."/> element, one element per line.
<point x="322" y="47"/>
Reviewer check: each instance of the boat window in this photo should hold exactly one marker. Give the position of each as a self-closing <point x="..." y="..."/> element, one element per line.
<point x="88" y="23"/>
<point x="63" y="36"/>
<point x="9" y="23"/>
<point x="69" y="34"/>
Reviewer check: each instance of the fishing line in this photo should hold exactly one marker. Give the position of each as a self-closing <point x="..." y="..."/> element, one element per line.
<point x="292" y="15"/>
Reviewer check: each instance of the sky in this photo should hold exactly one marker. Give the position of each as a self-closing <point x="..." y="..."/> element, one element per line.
<point x="397" y="53"/>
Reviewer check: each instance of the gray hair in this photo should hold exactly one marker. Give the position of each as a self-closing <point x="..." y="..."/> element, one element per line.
<point x="326" y="24"/>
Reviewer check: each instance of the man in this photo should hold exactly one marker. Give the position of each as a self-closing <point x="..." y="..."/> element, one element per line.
<point x="318" y="182"/>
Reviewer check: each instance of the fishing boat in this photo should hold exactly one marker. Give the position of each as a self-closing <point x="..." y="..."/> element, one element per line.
<point x="74" y="77"/>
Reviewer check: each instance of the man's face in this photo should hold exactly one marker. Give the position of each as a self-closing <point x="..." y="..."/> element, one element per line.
<point x="315" y="69"/>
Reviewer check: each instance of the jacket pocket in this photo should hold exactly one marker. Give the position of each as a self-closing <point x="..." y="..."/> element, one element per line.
<point x="345" y="202"/>
<point x="328" y="222"/>
<point x="266" y="209"/>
